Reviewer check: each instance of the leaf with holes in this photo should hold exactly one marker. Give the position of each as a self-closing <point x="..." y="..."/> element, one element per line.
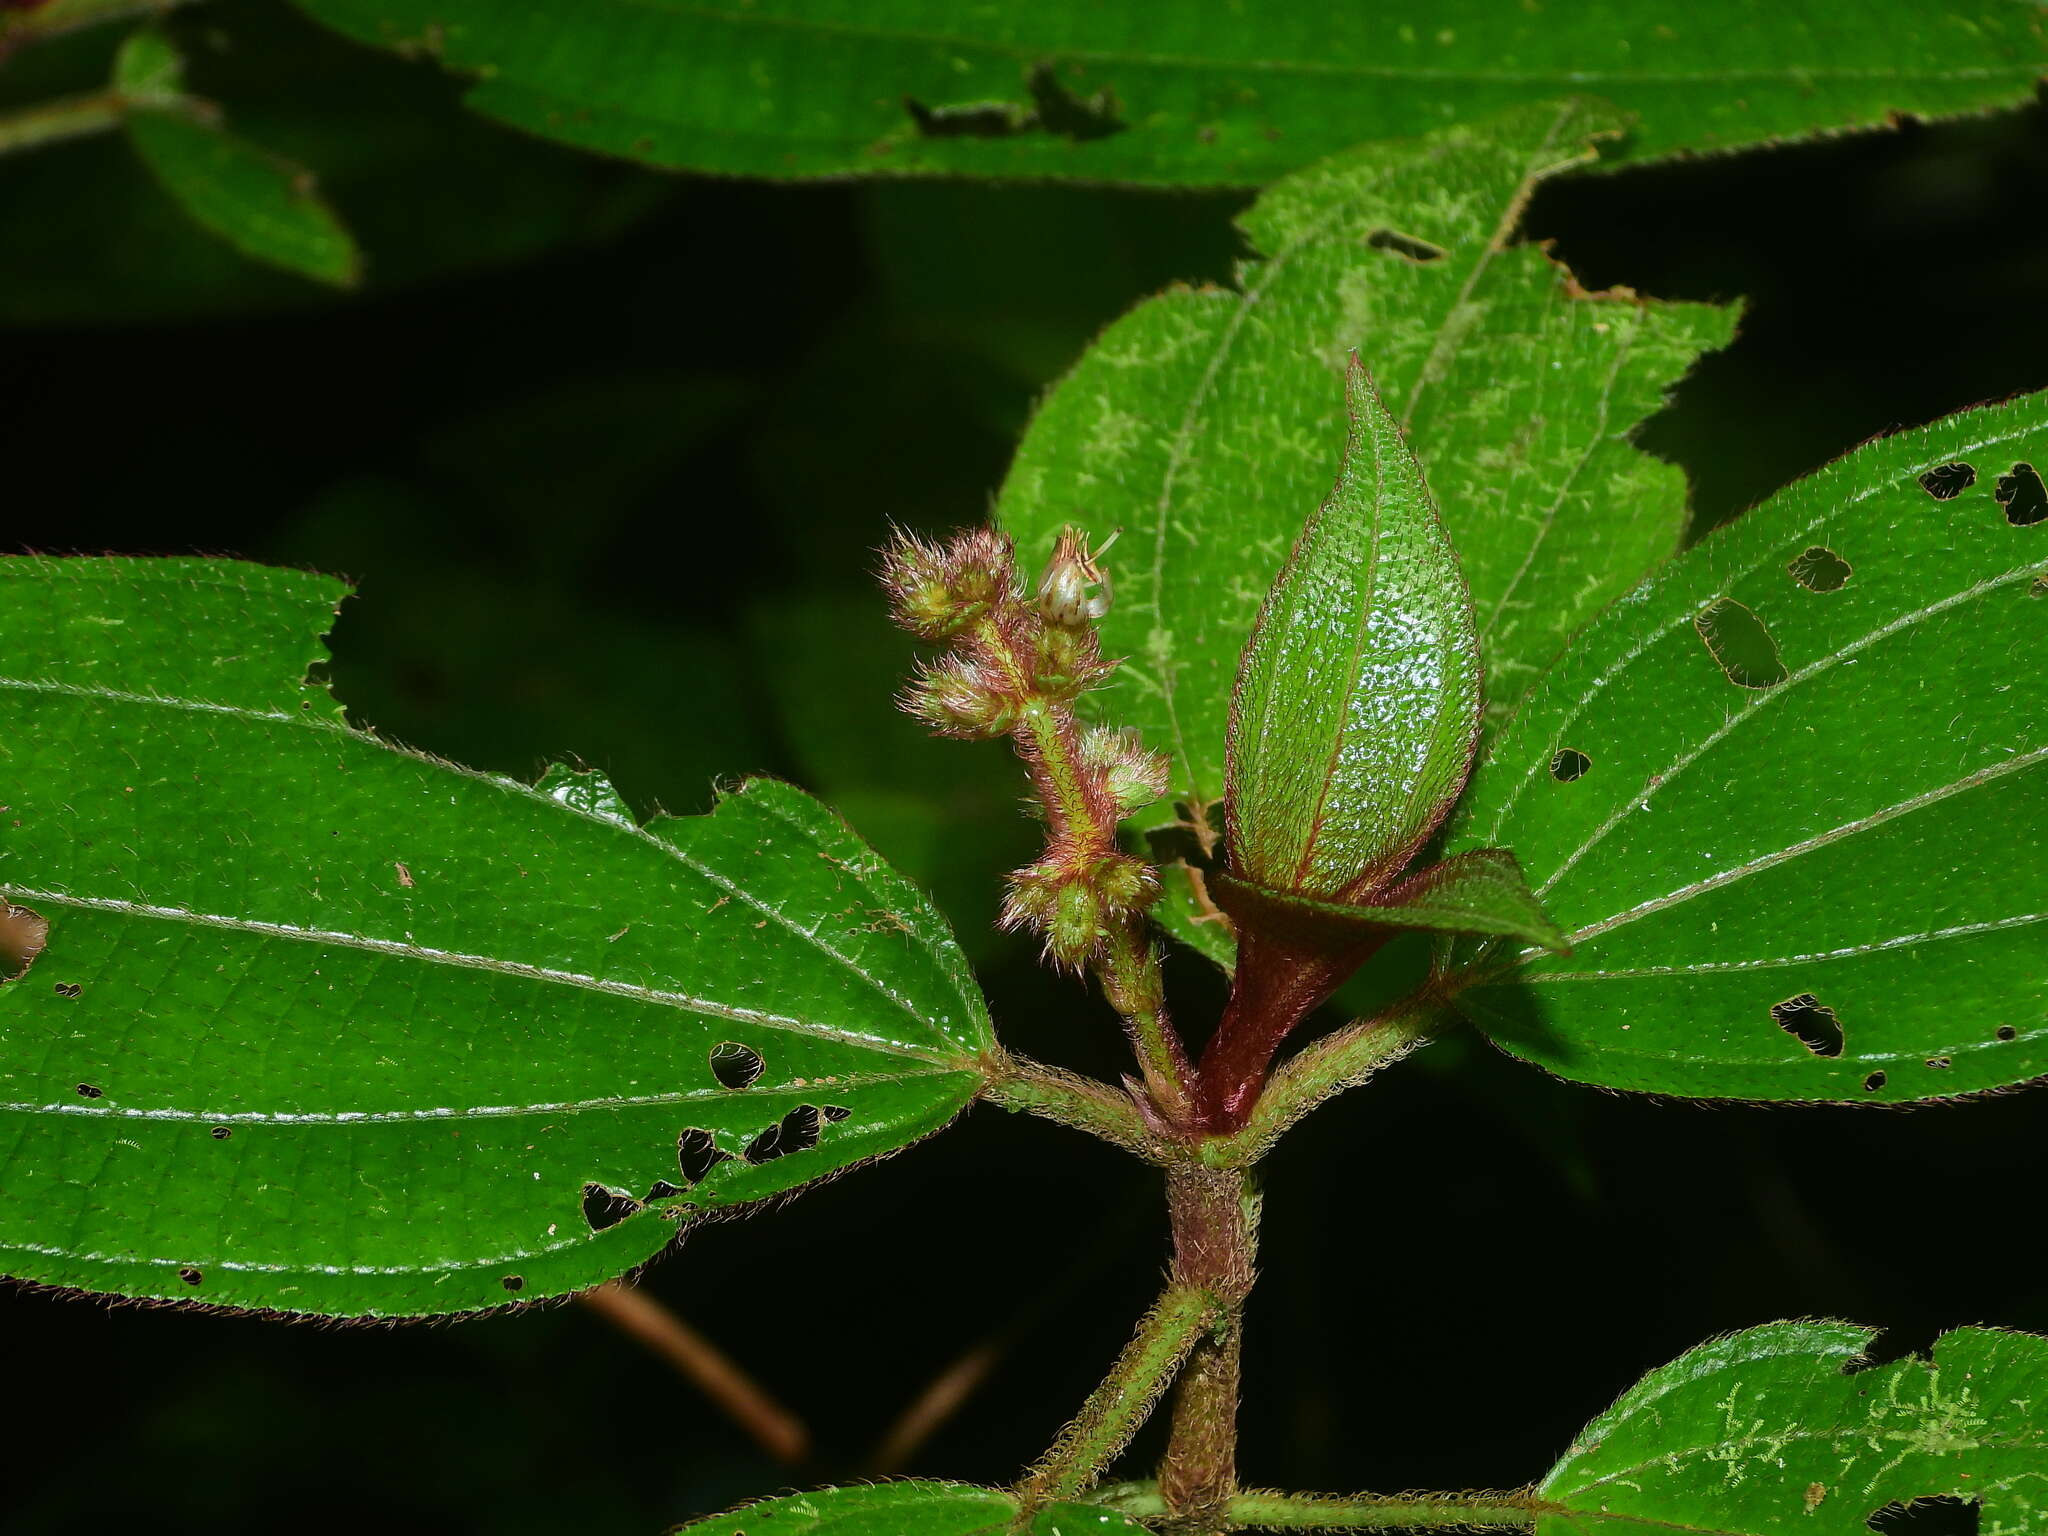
<point x="1357" y="703"/>
<point x="321" y="1025"/>
<point x="1787" y="1429"/>
<point x="1790" y="825"/>
<point x="1205" y="422"/>
<point x="1202" y="93"/>
<point x="911" y="1509"/>
<point x="263" y="206"/>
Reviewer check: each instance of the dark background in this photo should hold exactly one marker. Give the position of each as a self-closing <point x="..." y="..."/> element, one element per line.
<point x="607" y="453"/>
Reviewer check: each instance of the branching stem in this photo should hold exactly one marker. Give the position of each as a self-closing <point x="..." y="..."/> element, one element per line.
<point x="1214" y="1214"/>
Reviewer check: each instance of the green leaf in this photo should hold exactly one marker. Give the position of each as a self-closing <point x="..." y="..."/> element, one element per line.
<point x="264" y="206"/>
<point x="1357" y="704"/>
<point x="1822" y="887"/>
<point x="1202" y="93"/>
<point x="1777" y="1430"/>
<point x="909" y="1509"/>
<point x="326" y="1026"/>
<point x="1205" y="421"/>
<point x="1478" y="892"/>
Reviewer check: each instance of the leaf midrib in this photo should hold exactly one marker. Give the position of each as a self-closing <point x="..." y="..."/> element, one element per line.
<point x="365" y="739"/>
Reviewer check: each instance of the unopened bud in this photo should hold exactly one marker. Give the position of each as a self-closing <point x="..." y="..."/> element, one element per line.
<point x="1123" y="884"/>
<point x="1134" y="775"/>
<point x="937" y="591"/>
<point x="1064" y="593"/>
<point x="1066" y="663"/>
<point x="958" y="697"/>
<point x="1076" y="926"/>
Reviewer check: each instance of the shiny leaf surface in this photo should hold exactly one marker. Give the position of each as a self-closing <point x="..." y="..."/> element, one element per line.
<point x="909" y="1509"/>
<point x="325" y="1026"/>
<point x="1776" y="1430"/>
<point x="1204" y="422"/>
<point x="264" y="206"/>
<point x="1824" y="887"/>
<point x="1198" y="93"/>
<point x="1357" y="703"/>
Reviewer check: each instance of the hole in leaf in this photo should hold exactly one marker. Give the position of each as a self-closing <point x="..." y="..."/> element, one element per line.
<point x="2023" y="496"/>
<point x="661" y="1189"/>
<point x="87" y="1091"/>
<point x="836" y="1112"/>
<point x="1873" y="1082"/>
<point x="2006" y="1032"/>
<point x="697" y="1152"/>
<point x="1945" y="482"/>
<point x="22" y="936"/>
<point x="68" y="989"/>
<point x="604" y="1208"/>
<point x="1939" y="1515"/>
<point x="190" y="1275"/>
<point x="1405" y="246"/>
<point x="1819" y="569"/>
<point x="1740" y="645"/>
<point x="514" y="1282"/>
<point x="1938" y="1062"/>
<point x="2038" y="587"/>
<point x="220" y="1133"/>
<point x="736" y="1065"/>
<point x="1569" y="764"/>
<point x="1811" y="1024"/>
<point x="796" y="1131"/>
<point x="1054" y="109"/>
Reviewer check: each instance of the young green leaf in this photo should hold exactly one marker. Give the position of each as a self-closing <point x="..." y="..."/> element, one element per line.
<point x="264" y="206"/>
<point x="1357" y="704"/>
<point x="1478" y="892"/>
<point x="1776" y="1430"/>
<point x="1204" y="422"/>
<point x="911" y="1509"/>
<point x="326" y="1026"/>
<point x="1819" y="882"/>
<point x="1202" y="93"/>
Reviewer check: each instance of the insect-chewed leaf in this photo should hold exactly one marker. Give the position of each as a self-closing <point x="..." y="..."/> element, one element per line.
<point x="911" y="1509"/>
<point x="1206" y="423"/>
<point x="1357" y="703"/>
<point x="1776" y="1430"/>
<point x="1819" y="879"/>
<point x="1204" y="92"/>
<point x="325" y="1026"/>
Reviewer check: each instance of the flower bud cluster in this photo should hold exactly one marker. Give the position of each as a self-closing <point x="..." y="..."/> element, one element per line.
<point x="1076" y="903"/>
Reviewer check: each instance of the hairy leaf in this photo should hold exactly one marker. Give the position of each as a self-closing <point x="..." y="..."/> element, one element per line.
<point x="910" y="1509"/>
<point x="322" y="1025"/>
<point x="1198" y="93"/>
<point x="1357" y="704"/>
<point x="1205" y="421"/>
<point x="1808" y="870"/>
<point x="1778" y="1430"/>
<point x="264" y="206"/>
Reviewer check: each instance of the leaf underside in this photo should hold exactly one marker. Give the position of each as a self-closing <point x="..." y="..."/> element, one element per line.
<point x="1478" y="892"/>
<point x="1780" y="1429"/>
<point x="909" y="1509"/>
<point x="1356" y="709"/>
<point x="326" y="1026"/>
<point x="1200" y="93"/>
<point x="1829" y="886"/>
<point x="1204" y="423"/>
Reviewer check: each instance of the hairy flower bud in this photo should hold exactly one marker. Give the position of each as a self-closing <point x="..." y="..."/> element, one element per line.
<point x="936" y="591"/>
<point x="1066" y="663"/>
<point x="1134" y="775"/>
<point x="960" y="697"/>
<point x="1074" y="908"/>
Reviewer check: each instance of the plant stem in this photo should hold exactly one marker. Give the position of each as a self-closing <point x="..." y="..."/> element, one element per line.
<point x="1016" y="1082"/>
<point x="61" y="16"/>
<point x="68" y="117"/>
<point x="1265" y="1510"/>
<point x="1120" y="1405"/>
<point x="1342" y="1059"/>
<point x="1214" y="1214"/>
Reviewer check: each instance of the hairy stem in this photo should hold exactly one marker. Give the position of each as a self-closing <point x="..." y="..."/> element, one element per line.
<point x="1264" y="1510"/>
<point x="1324" y="1068"/>
<point x="1117" y="1408"/>
<point x="1214" y="1214"/>
<point x="68" y="117"/>
<point x="1018" y="1083"/>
